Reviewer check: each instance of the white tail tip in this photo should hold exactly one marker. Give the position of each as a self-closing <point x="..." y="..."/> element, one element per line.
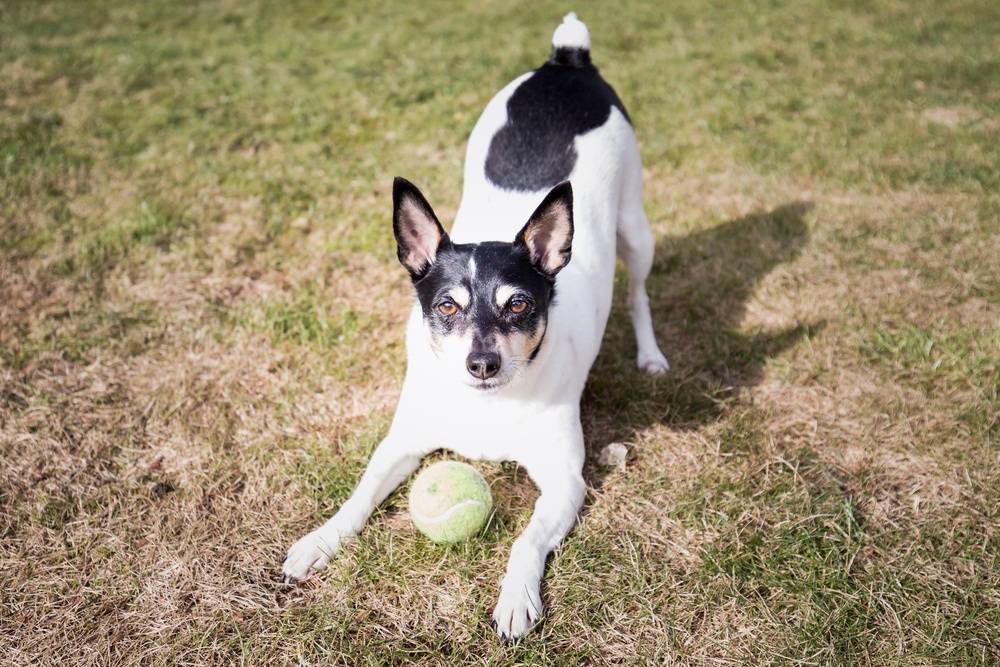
<point x="572" y="33"/>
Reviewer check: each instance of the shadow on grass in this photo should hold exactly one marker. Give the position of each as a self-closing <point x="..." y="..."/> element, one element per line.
<point x="699" y="288"/>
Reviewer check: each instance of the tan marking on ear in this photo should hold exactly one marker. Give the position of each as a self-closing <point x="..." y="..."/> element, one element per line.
<point x="547" y="237"/>
<point x="422" y="250"/>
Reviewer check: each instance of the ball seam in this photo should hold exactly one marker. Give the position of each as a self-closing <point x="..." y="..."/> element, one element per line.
<point x="441" y="518"/>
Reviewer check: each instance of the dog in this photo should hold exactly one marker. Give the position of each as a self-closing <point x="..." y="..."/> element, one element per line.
<point x="511" y="307"/>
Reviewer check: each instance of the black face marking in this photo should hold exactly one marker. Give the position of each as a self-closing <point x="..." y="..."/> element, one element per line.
<point x="503" y="268"/>
<point x="563" y="99"/>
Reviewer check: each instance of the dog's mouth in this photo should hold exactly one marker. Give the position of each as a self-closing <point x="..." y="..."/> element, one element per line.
<point x="490" y="385"/>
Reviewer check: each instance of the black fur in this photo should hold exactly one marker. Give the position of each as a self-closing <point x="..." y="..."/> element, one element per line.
<point x="497" y="264"/>
<point x="564" y="98"/>
<point x="572" y="57"/>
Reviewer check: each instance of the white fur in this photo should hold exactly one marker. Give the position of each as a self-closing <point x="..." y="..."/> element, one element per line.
<point x="504" y="294"/>
<point x="571" y="34"/>
<point x="460" y="295"/>
<point x="534" y="419"/>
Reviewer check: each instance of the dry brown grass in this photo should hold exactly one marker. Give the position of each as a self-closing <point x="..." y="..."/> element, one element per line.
<point x="201" y="340"/>
<point x="147" y="499"/>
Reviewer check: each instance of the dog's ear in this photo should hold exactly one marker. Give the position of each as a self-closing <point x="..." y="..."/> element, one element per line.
<point x="419" y="235"/>
<point x="548" y="236"/>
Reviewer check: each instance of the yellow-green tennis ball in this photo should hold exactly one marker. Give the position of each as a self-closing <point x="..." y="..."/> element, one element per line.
<point x="450" y="501"/>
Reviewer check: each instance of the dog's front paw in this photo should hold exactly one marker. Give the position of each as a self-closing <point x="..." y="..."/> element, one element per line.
<point x="518" y="610"/>
<point x="653" y="363"/>
<point x="308" y="556"/>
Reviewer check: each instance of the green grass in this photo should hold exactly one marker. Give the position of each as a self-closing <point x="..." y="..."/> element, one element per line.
<point x="201" y="335"/>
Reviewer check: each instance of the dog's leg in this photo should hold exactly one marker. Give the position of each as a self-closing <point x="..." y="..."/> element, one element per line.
<point x="389" y="467"/>
<point x="519" y="606"/>
<point x="636" y="247"/>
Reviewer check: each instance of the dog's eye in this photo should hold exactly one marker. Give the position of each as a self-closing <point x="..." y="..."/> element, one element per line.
<point x="518" y="306"/>
<point x="447" y="308"/>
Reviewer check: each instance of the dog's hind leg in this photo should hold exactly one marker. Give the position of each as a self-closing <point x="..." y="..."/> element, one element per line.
<point x="391" y="464"/>
<point x="636" y="247"/>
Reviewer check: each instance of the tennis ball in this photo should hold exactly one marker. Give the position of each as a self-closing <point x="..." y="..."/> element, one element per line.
<point x="450" y="501"/>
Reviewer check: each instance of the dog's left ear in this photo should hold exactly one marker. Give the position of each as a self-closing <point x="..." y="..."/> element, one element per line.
<point x="548" y="236"/>
<point x="417" y="230"/>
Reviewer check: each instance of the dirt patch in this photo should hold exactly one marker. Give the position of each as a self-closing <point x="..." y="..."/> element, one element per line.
<point x="950" y="117"/>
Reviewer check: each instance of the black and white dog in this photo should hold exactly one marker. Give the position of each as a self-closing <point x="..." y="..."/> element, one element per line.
<point x="505" y="327"/>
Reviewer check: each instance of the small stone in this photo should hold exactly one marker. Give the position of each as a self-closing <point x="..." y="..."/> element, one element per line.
<point x="613" y="456"/>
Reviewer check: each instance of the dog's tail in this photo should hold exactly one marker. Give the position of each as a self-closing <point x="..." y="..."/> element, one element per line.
<point x="571" y="43"/>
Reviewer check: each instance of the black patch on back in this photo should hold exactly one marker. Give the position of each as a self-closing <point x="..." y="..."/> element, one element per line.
<point x="564" y="98"/>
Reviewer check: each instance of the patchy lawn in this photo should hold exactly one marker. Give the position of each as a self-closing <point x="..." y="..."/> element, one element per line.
<point x="201" y="334"/>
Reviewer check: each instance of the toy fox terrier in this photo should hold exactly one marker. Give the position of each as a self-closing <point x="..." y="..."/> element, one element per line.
<point x="505" y="327"/>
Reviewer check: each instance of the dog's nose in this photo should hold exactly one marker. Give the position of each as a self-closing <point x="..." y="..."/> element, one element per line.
<point x="483" y="365"/>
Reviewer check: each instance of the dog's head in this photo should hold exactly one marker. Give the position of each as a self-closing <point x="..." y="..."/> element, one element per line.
<point x="485" y="305"/>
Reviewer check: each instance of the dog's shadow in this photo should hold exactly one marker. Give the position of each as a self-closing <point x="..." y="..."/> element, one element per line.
<point x="699" y="289"/>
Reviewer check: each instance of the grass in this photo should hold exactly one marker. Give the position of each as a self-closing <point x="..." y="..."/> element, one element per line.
<point x="201" y="335"/>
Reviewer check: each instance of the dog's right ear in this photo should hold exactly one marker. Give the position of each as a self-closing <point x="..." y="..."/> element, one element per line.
<point x="419" y="235"/>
